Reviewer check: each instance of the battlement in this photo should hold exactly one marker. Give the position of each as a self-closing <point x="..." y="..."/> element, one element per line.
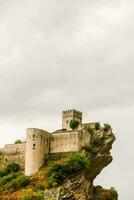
<point x="39" y="143"/>
<point x="69" y="115"/>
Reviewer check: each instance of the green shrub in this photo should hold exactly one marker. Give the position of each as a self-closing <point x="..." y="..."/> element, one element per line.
<point x="97" y="141"/>
<point x="63" y="129"/>
<point x="29" y="196"/>
<point x="94" y="150"/>
<point x="18" y="142"/>
<point x="47" y="159"/>
<point x="23" y="181"/>
<point x="39" y="186"/>
<point x="97" y="187"/>
<point x="18" y="182"/>
<point x="73" y="124"/>
<point x="56" y="173"/>
<point x="7" y="178"/>
<point x="76" y="162"/>
<point x="52" y="183"/>
<point x="114" y="194"/>
<point x="106" y="127"/>
<point x="12" y="167"/>
<point x="97" y="126"/>
<point x="3" y="173"/>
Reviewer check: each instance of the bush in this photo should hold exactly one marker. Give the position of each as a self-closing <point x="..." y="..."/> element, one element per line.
<point x="12" y="167"/>
<point x="52" y="183"/>
<point x="93" y="150"/>
<point x="97" y="141"/>
<point x="114" y="194"/>
<point x="97" y="187"/>
<point x="18" y="142"/>
<point x="56" y="173"/>
<point x="3" y="173"/>
<point x="8" y="178"/>
<point x="63" y="129"/>
<point x="97" y="126"/>
<point x="32" y="196"/>
<point x="18" y="182"/>
<point x="76" y="162"/>
<point x="39" y="186"/>
<point x="106" y="127"/>
<point x="73" y="124"/>
<point x="47" y="159"/>
<point x="22" y="181"/>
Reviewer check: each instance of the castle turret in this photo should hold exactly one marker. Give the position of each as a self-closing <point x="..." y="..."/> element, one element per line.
<point x="69" y="115"/>
<point x="37" y="145"/>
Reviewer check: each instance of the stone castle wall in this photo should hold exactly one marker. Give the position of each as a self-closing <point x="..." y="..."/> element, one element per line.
<point x="39" y="142"/>
<point x="70" y="141"/>
<point x="14" y="153"/>
<point x="64" y="142"/>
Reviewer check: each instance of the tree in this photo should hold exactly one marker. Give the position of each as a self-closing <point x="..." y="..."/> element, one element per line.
<point x="74" y="124"/>
<point x="18" y="142"/>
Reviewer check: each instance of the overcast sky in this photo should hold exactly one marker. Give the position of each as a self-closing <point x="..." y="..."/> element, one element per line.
<point x="63" y="54"/>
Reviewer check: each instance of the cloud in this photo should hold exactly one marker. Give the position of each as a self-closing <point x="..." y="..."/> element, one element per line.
<point x="56" y="55"/>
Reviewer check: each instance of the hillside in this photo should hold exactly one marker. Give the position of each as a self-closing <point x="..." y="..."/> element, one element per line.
<point x="67" y="177"/>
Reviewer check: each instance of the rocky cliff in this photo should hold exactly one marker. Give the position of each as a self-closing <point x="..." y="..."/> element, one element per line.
<point x="67" y="176"/>
<point x="80" y="186"/>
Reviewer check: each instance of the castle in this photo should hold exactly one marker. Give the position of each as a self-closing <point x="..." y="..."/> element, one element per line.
<point x="39" y="143"/>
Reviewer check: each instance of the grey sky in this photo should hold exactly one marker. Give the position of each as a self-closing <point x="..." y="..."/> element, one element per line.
<point x="70" y="54"/>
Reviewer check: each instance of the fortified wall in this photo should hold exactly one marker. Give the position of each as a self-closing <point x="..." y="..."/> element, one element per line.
<point x="39" y="143"/>
<point x="70" y="141"/>
<point x="37" y="146"/>
<point x="13" y="153"/>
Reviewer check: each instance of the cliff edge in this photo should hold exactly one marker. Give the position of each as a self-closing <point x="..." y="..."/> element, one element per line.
<point x="65" y="176"/>
<point x="81" y="185"/>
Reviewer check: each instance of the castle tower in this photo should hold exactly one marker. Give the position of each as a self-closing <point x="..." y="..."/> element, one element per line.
<point x="69" y="115"/>
<point x="37" y="145"/>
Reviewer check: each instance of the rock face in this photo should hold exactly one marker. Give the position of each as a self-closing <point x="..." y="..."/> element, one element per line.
<point x="74" y="186"/>
<point x="81" y="186"/>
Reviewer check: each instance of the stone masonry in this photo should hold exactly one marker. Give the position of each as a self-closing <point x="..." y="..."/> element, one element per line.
<point x="39" y="143"/>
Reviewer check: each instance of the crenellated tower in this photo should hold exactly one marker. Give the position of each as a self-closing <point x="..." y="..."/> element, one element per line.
<point x="69" y="115"/>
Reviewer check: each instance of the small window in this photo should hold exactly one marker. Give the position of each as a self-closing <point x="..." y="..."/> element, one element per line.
<point x="33" y="146"/>
<point x="34" y="137"/>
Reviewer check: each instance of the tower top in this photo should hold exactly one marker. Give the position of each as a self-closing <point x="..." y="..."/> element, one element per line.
<point x="68" y="115"/>
<point x="71" y="113"/>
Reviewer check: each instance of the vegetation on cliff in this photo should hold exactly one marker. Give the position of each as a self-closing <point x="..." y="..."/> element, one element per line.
<point x="73" y="174"/>
<point x="59" y="172"/>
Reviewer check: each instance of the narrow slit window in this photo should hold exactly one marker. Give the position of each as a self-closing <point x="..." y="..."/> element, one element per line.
<point x="34" y="137"/>
<point x="33" y="146"/>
